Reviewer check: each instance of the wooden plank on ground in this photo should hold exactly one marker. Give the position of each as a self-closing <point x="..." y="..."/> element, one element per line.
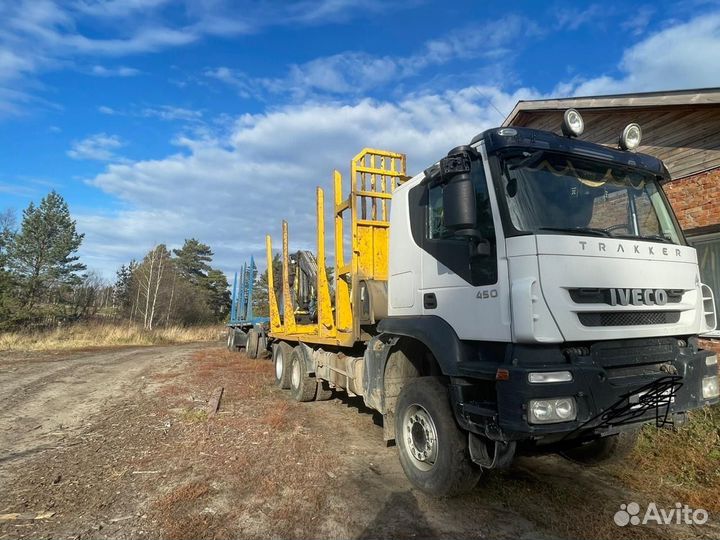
<point x="26" y="516"/>
<point x="214" y="403"/>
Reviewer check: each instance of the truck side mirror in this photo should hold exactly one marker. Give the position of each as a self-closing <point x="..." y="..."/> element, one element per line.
<point x="459" y="205"/>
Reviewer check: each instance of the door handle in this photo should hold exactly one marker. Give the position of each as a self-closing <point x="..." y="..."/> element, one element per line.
<point x="429" y="301"/>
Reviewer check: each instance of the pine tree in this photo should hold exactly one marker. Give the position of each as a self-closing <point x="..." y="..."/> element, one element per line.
<point x="193" y="260"/>
<point x="218" y="293"/>
<point x="123" y="288"/>
<point x="8" y="303"/>
<point x="261" y="306"/>
<point x="42" y="254"/>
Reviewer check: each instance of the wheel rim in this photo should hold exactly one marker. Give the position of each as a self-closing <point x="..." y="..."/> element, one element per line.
<point x="295" y="376"/>
<point x="420" y="437"/>
<point x="279" y="364"/>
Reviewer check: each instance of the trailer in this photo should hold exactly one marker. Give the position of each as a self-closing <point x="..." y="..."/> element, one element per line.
<point x="245" y="330"/>
<point x="529" y="293"/>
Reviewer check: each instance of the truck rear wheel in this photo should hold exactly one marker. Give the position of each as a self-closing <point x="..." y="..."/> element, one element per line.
<point x="262" y="347"/>
<point x="251" y="349"/>
<point x="281" y="361"/>
<point x="324" y="392"/>
<point x="433" y="450"/>
<point x="605" y="450"/>
<point x="302" y="385"/>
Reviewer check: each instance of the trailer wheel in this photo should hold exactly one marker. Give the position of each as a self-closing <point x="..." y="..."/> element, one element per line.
<point x="251" y="348"/>
<point x="281" y="361"/>
<point x="324" y="392"/>
<point x="231" y="340"/>
<point x="609" y="449"/>
<point x="303" y="386"/>
<point x="433" y="450"/>
<point x="262" y="347"/>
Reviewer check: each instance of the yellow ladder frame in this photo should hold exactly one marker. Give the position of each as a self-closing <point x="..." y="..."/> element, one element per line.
<point x="375" y="175"/>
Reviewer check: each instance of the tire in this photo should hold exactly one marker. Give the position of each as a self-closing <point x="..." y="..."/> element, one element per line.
<point x="251" y="349"/>
<point x="281" y="361"/>
<point x="231" y="340"/>
<point x="442" y="468"/>
<point x="303" y="386"/>
<point x="262" y="347"/>
<point x="324" y="392"/>
<point x="611" y="449"/>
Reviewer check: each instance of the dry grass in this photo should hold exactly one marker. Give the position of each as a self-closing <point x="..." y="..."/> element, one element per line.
<point x="84" y="336"/>
<point x="685" y="463"/>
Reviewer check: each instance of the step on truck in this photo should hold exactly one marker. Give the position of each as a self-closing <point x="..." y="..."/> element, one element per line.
<point x="246" y="331"/>
<point x="529" y="293"/>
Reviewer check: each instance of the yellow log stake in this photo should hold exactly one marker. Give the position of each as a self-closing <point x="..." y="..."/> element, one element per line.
<point x="275" y="325"/>
<point x="288" y="308"/>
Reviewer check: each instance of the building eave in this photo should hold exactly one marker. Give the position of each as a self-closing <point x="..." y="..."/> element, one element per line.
<point x="704" y="96"/>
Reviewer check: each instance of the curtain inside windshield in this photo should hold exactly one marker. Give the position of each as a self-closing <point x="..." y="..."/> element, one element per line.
<point x="554" y="192"/>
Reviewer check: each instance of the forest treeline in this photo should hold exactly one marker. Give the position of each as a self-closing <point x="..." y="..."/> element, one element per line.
<point x="43" y="281"/>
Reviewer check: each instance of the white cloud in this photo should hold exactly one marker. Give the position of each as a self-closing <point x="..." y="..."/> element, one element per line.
<point x="573" y="18"/>
<point x="229" y="191"/>
<point x="119" y="71"/>
<point x="168" y="112"/>
<point x="42" y="35"/>
<point x="356" y="72"/>
<point x="638" y="20"/>
<point x="107" y="110"/>
<point x="98" y="147"/>
<point x="685" y="55"/>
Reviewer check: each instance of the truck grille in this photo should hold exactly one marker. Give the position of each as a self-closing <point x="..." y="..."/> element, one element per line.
<point x="629" y="318"/>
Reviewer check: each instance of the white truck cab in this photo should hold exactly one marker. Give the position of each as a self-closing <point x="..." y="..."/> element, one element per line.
<point x="546" y="283"/>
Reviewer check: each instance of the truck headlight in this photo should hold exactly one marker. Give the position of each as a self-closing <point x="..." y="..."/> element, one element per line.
<point x="710" y="387"/>
<point x="549" y="411"/>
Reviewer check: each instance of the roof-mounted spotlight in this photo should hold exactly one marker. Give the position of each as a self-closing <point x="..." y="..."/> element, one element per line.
<point x="573" y="124"/>
<point x="631" y="137"/>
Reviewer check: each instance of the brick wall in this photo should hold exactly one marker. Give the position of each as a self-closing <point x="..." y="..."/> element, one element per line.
<point x="710" y="344"/>
<point x="696" y="202"/>
<point x="696" y="199"/>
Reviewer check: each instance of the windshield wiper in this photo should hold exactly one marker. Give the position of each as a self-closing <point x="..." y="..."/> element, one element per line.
<point x="530" y="161"/>
<point x="659" y="238"/>
<point x="577" y="230"/>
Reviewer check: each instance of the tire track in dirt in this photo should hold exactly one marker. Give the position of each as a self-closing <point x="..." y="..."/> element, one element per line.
<point x="42" y="402"/>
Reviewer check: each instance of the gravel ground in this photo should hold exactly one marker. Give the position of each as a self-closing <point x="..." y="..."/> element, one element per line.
<point x="119" y="444"/>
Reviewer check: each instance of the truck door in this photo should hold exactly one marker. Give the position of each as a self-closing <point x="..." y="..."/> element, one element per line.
<point x="463" y="287"/>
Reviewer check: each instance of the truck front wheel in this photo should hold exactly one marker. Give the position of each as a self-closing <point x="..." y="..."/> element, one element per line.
<point x="612" y="448"/>
<point x="433" y="450"/>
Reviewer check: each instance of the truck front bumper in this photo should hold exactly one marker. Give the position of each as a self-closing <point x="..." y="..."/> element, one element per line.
<point x="615" y="385"/>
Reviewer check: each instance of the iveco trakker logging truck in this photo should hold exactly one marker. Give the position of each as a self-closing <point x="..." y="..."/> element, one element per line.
<point x="529" y="293"/>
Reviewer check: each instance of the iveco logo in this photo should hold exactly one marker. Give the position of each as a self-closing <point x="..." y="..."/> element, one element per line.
<point x="638" y="297"/>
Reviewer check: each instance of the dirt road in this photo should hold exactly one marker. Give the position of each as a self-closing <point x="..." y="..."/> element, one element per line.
<point x="118" y="444"/>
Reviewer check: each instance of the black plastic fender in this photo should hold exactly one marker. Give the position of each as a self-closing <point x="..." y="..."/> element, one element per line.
<point x="436" y="334"/>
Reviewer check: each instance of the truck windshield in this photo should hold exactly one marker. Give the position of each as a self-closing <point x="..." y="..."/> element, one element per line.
<point x="558" y="193"/>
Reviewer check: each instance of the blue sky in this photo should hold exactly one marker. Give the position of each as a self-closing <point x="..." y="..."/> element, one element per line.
<point x="161" y="120"/>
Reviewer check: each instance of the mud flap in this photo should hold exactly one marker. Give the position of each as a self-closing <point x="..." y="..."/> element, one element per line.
<point x="491" y="454"/>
